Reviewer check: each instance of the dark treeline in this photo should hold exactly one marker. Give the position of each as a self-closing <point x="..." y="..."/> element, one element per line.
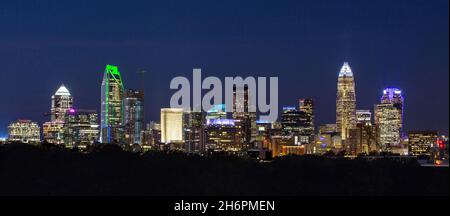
<point x="107" y="170"/>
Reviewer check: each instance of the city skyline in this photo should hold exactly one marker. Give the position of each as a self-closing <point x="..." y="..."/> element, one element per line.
<point x="405" y="46"/>
<point x="346" y="68"/>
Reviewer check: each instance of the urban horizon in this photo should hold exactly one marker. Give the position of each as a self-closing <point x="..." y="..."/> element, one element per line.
<point x="400" y="44"/>
<point x="233" y="130"/>
<point x="225" y="107"/>
<point x="45" y="113"/>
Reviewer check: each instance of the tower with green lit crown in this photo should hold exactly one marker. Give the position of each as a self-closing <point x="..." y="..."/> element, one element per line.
<point x="112" y="130"/>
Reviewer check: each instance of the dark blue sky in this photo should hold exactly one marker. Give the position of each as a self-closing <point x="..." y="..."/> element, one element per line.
<point x="401" y="43"/>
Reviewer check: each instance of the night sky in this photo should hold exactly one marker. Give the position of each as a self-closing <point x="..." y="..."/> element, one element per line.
<point x="388" y="43"/>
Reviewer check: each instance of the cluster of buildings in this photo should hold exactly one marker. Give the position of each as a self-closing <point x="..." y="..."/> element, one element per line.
<point x="355" y="132"/>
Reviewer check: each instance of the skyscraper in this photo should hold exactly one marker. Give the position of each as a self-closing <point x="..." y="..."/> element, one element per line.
<point x="61" y="102"/>
<point x="81" y="128"/>
<point x="151" y="137"/>
<point x="53" y="130"/>
<point x="388" y="118"/>
<point x="223" y="135"/>
<point x="362" y="138"/>
<point x="243" y="114"/>
<point x="172" y="125"/>
<point x="218" y="111"/>
<point x="364" y="117"/>
<point x="387" y="121"/>
<point x="291" y="120"/>
<point x="133" y="116"/>
<point x="394" y="96"/>
<point x="345" y="102"/>
<point x="112" y="130"/>
<point x="194" y="131"/>
<point x="306" y="105"/>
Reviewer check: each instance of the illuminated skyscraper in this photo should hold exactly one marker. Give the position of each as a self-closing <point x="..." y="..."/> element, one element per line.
<point x="362" y="138"/>
<point x="388" y="118"/>
<point x="243" y="114"/>
<point x="133" y="116"/>
<point x="306" y="105"/>
<point x="61" y="102"/>
<point x="24" y="131"/>
<point x="194" y="131"/>
<point x="223" y="135"/>
<point x="81" y="128"/>
<point x="364" y="117"/>
<point x="291" y="120"/>
<point x="172" y="125"/>
<point x="218" y="111"/>
<point x="53" y="130"/>
<point x="150" y="138"/>
<point x="345" y="102"/>
<point x="394" y="96"/>
<point x="112" y="130"/>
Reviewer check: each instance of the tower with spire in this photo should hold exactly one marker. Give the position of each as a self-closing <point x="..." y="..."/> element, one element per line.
<point x="62" y="100"/>
<point x="345" y="102"/>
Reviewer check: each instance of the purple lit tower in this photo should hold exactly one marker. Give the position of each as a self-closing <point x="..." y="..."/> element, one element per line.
<point x="389" y="118"/>
<point x="394" y="96"/>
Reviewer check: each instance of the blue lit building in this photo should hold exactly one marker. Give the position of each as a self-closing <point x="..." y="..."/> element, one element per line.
<point x="133" y="116"/>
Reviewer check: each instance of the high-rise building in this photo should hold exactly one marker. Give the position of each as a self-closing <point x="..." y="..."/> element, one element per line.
<point x="24" y="131"/>
<point x="388" y="118"/>
<point x="364" y="117"/>
<point x="362" y="139"/>
<point x="244" y="114"/>
<point x="61" y="102"/>
<point x="151" y="137"/>
<point x="223" y="135"/>
<point x="297" y="123"/>
<point x="394" y="96"/>
<point x="53" y="132"/>
<point x="194" y="131"/>
<point x="291" y="120"/>
<point x="327" y="140"/>
<point x="345" y="102"/>
<point x="218" y="111"/>
<point x="133" y="116"/>
<point x="112" y="130"/>
<point x="172" y="126"/>
<point x="421" y="142"/>
<point x="306" y="105"/>
<point x="81" y="128"/>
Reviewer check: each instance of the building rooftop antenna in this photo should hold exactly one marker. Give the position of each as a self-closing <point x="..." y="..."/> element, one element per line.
<point x="142" y="72"/>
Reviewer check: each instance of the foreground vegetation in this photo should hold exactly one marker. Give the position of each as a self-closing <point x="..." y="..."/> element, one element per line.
<point x="107" y="170"/>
